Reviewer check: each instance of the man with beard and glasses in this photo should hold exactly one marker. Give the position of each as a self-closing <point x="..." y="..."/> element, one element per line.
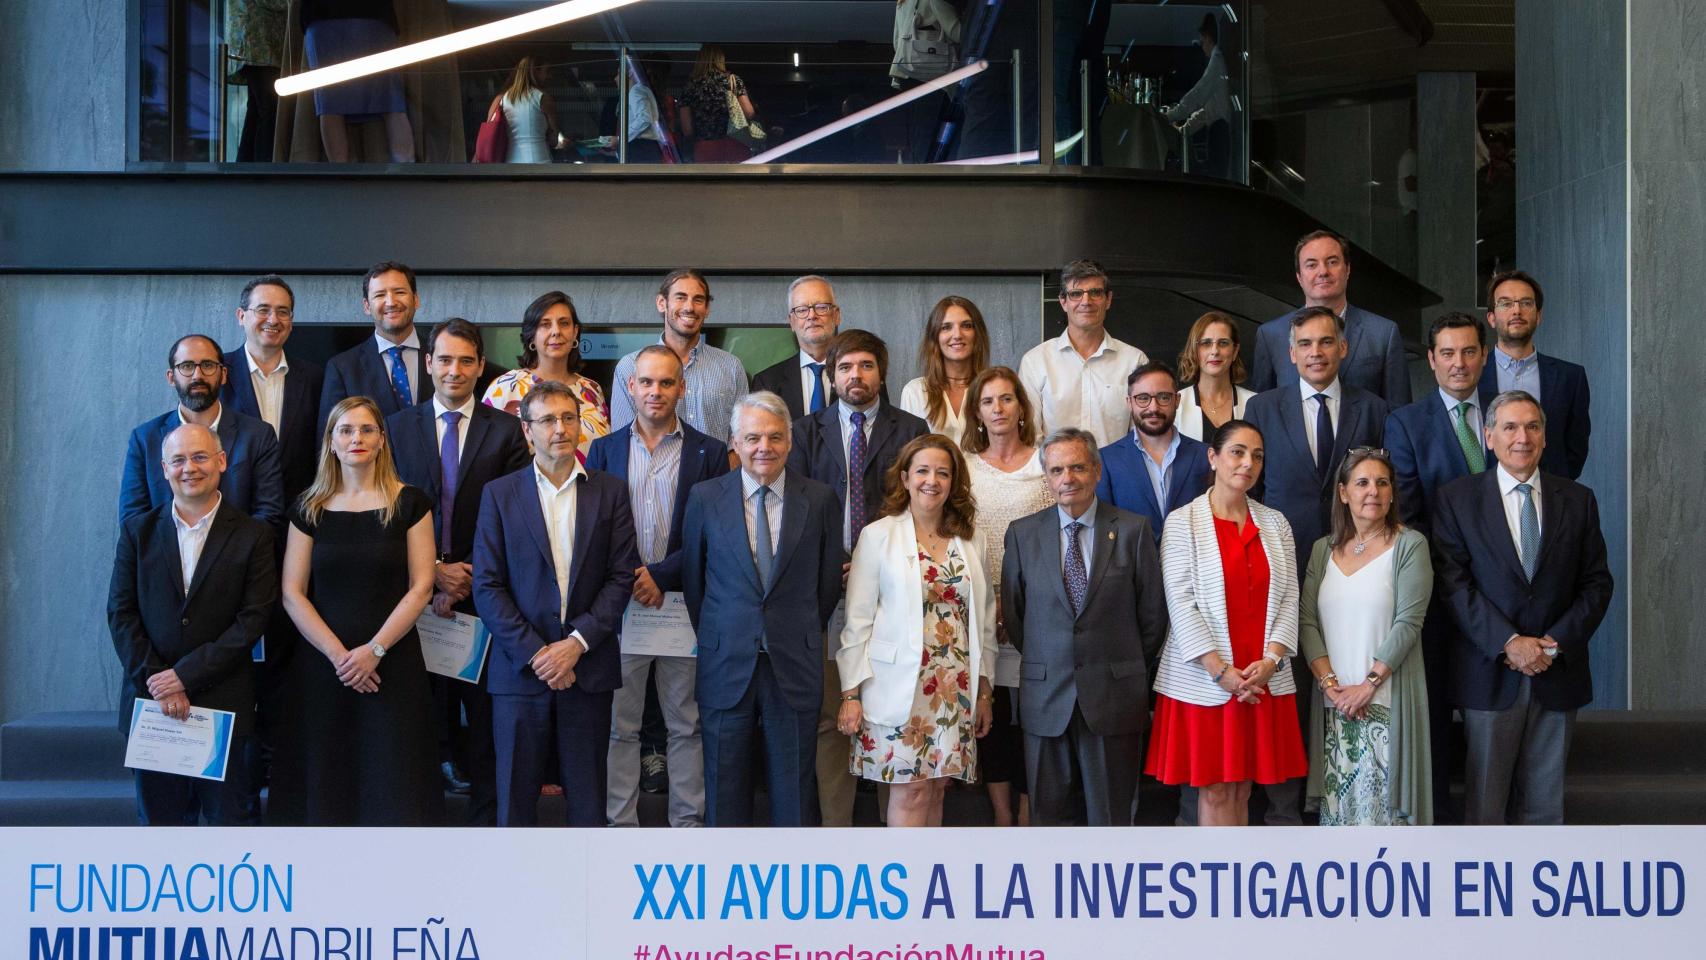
<point x="252" y="482"/>
<point x="1514" y="306"/>
<point x="714" y="378"/>
<point x="1154" y="469"/>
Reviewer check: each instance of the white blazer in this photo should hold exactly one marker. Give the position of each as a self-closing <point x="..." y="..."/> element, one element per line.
<point x="883" y="641"/>
<point x="1196" y="601"/>
<point x="1189" y="418"/>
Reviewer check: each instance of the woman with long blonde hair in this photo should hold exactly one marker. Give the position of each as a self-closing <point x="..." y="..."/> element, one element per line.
<point x="358" y="572"/>
<point x="954" y="351"/>
<point x="529" y="113"/>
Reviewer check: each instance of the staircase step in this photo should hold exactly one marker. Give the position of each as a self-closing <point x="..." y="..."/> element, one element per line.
<point x="1608" y="742"/>
<point x="1615" y="800"/>
<point x="67" y="803"/>
<point x="65" y="745"/>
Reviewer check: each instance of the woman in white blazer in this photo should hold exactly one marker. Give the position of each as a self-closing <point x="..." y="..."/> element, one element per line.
<point x="1226" y="715"/>
<point x="917" y="656"/>
<point x="1210" y="363"/>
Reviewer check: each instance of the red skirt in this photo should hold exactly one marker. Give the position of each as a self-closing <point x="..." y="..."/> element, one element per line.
<point x="1231" y="743"/>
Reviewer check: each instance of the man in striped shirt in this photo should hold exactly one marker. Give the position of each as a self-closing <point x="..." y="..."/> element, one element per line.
<point x="713" y="379"/>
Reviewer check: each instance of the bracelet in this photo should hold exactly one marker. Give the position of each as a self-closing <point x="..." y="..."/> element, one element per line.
<point x="849" y="697"/>
<point x="986" y="697"/>
<point x="1224" y="666"/>
<point x="1327" y="681"/>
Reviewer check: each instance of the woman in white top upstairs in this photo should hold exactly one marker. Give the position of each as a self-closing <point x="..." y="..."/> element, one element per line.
<point x="529" y="113"/>
<point x="917" y="657"/>
<point x="954" y="350"/>
<point x="1211" y="363"/>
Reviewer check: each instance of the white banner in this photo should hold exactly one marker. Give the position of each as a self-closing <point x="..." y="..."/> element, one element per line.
<point x="944" y="894"/>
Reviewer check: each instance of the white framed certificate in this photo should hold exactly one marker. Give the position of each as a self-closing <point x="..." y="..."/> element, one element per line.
<point x="1007" y="659"/>
<point x="454" y="646"/>
<point x="665" y="631"/>
<point x="197" y="746"/>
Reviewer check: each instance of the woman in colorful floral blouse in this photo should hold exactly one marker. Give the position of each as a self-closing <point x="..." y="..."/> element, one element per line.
<point x="550" y="350"/>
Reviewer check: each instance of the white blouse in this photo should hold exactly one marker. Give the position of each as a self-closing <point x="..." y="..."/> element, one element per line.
<point x="1003" y="498"/>
<point x="914" y="401"/>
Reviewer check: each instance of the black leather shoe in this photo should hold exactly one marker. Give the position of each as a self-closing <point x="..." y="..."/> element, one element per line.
<point x="454" y="780"/>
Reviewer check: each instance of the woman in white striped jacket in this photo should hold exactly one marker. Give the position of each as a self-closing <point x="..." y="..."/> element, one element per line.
<point x="1226" y="716"/>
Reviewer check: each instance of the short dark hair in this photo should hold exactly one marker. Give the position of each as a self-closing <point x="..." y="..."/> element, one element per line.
<point x="386" y="266"/>
<point x="685" y="273"/>
<point x="172" y="354"/>
<point x="858" y="341"/>
<point x="1082" y="269"/>
<point x="456" y="327"/>
<point x="1311" y="237"/>
<point x="542" y="390"/>
<point x="1520" y="276"/>
<point x="530" y="320"/>
<point x="1153" y="366"/>
<point x="1456" y="320"/>
<point x="269" y="280"/>
<point x="1227" y="429"/>
<point x="1307" y="314"/>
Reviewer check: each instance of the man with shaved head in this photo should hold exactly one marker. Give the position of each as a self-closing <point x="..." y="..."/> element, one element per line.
<point x="194" y="583"/>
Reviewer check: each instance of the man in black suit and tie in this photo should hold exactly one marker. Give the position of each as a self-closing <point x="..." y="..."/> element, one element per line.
<point x="1514" y="306"/>
<point x="261" y="382"/>
<point x="1432" y="442"/>
<point x="1519" y="555"/>
<point x="450" y="447"/>
<point x="194" y="582"/>
<point x="554" y="563"/>
<point x="1308" y="426"/>
<point x="803" y="380"/>
<point x="850" y="446"/>
<point x="391" y="368"/>
<point x="761" y="568"/>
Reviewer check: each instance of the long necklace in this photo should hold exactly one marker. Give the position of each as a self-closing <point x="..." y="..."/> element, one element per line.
<point x="1362" y="544"/>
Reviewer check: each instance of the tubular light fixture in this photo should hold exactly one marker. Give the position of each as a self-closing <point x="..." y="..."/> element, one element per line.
<point x="880" y="107"/>
<point x="1027" y="156"/>
<point x="443" y="46"/>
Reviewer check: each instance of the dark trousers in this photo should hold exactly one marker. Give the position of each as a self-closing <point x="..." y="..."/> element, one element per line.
<point x="790" y="756"/>
<point x="471" y="746"/>
<point x="1285" y="800"/>
<point x="1083" y="778"/>
<point x="525" y="729"/>
<point x="171" y="800"/>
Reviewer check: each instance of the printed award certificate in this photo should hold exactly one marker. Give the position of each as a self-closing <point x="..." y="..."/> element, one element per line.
<point x="665" y="631"/>
<point x="198" y="746"/>
<point x="454" y="646"/>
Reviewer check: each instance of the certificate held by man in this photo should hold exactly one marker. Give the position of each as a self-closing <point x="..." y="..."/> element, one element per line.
<point x="664" y="631"/>
<point x="197" y="746"/>
<point x="454" y="646"/>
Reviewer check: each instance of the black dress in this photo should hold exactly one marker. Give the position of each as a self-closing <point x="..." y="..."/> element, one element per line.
<point x="359" y="759"/>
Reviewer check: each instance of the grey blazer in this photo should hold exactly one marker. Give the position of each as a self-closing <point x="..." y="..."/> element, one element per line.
<point x="1098" y="660"/>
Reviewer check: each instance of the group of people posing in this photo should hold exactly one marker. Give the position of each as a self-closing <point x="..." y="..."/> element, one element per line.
<point x="983" y="583"/>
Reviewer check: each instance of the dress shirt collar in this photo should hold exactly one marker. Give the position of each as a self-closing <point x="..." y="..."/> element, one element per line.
<point x="412" y="343"/>
<point x="806" y="360"/>
<point x="749" y="484"/>
<point x="673" y="431"/>
<point x="255" y="365"/>
<point x="550" y="489"/>
<point x="1507" y="482"/>
<point x="1088" y="519"/>
<point x="214" y="426"/>
<point x="692" y="354"/>
<point x="1172" y="446"/>
<point x="439" y="409"/>
<point x="1063" y="343"/>
<point x="1511" y="364"/>
<point x="1334" y="390"/>
<point x="1451" y="402"/>
<point x="846" y="410"/>
<point x="199" y="525"/>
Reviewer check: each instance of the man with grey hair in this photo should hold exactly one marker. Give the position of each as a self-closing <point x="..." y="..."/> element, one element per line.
<point x="803" y="380"/>
<point x="1078" y="378"/>
<point x="1082" y="599"/>
<point x="761" y="572"/>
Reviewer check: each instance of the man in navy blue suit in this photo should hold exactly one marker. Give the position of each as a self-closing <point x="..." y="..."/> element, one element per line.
<point x="1307" y="427"/>
<point x="261" y="382"/>
<point x="1432" y="442"/>
<point x="450" y="447"/>
<point x="1514" y="306"/>
<point x="661" y="458"/>
<point x="1375" y="358"/>
<point x="390" y="368"/>
<point x="1154" y="469"/>
<point x="252" y="482"/>
<point x="1519" y="555"/>
<point x="554" y="561"/>
<point x="761" y="568"/>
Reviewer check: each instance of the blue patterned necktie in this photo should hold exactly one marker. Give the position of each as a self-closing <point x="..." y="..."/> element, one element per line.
<point x="1077" y="581"/>
<point x="856" y="476"/>
<point x="817" y="386"/>
<point x="1323" y="438"/>
<point x="449" y="465"/>
<point x="1528" y="527"/>
<point x="400" y="378"/>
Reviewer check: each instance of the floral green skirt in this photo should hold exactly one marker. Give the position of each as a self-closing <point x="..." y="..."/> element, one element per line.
<point x="1357" y="761"/>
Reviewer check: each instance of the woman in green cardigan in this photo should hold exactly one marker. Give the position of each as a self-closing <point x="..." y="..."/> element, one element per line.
<point x="1359" y="626"/>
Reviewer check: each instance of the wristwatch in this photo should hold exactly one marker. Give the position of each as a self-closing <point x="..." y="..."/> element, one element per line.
<point x="378" y="650"/>
<point x="1278" y="659"/>
<point x="1374" y="679"/>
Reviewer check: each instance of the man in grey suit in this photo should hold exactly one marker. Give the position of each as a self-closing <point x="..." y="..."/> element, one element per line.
<point x="1082" y="599"/>
<point x="1375" y="359"/>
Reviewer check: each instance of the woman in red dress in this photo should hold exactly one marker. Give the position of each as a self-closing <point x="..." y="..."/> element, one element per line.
<point x="1226" y="715"/>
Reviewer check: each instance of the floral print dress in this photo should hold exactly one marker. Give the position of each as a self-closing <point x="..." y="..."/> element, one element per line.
<point x="507" y="391"/>
<point x="938" y="739"/>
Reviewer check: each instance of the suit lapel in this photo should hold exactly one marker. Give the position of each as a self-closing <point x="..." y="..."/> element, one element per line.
<point x="242" y="388"/>
<point x="882" y="432"/>
<point x="1498" y="528"/>
<point x="377" y="374"/>
<point x="1353" y="331"/>
<point x="829" y="418"/>
<point x="533" y="515"/>
<point x="479" y="424"/>
<point x="218" y="533"/>
<point x="733" y="507"/>
<point x="166" y="542"/>
<point x="1551" y="380"/>
<point x="1051" y="548"/>
<point x="1140" y="476"/>
<point x="1551" y="517"/>
<point x="586" y="520"/>
<point x="1101" y="548"/>
<point x="793" y="528"/>
<point x="295" y="395"/>
<point x="1489" y="380"/>
<point x="617" y="463"/>
<point x="692" y="458"/>
<point x="1350" y="415"/>
<point x="426" y="433"/>
<point x="1291" y="415"/>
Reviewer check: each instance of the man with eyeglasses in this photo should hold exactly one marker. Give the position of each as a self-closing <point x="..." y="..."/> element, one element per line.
<point x="1154" y="469"/>
<point x="252" y="482"/>
<point x="261" y="382"/>
<point x="804" y="381"/>
<point x="715" y="378"/>
<point x="1078" y="378"/>
<point x="1374" y="349"/>
<point x="1514" y="305"/>
<point x="194" y="583"/>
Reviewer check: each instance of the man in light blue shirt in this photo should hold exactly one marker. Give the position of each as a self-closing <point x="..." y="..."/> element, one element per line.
<point x="714" y="378"/>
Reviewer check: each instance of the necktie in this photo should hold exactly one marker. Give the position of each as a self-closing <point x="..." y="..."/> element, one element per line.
<point x="1323" y="438"/>
<point x="1528" y="526"/>
<point x="765" y="557"/>
<point x="1473" y="453"/>
<point x="817" y="386"/>
<point x="856" y="477"/>
<point x="400" y="377"/>
<point x="1077" y="582"/>
<point x="449" y="464"/>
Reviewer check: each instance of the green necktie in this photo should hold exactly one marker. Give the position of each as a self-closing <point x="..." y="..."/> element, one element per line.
<point x="1473" y="452"/>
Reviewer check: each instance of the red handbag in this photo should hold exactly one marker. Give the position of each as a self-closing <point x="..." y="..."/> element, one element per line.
<point x="491" y="145"/>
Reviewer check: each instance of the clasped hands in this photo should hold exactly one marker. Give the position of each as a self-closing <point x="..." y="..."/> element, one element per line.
<point x="452" y="583"/>
<point x="1247" y="685"/>
<point x="358" y="669"/>
<point x="1351" y="700"/>
<point x="1530" y="655"/>
<point x="168" y="691"/>
<point x="555" y="663"/>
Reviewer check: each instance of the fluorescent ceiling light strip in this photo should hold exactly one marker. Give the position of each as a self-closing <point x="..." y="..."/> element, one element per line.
<point x="880" y="107"/>
<point x="1028" y="156"/>
<point x="444" y="46"/>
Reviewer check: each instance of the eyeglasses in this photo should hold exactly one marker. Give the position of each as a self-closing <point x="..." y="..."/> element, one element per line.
<point x="1162" y="399"/>
<point x="347" y="430"/>
<point x="1207" y="342"/>
<point x="1505" y="303"/>
<point x="552" y="421"/>
<point x="1094" y="293"/>
<point x="188" y="368"/>
<point x="199" y="459"/>
<point x="806" y="309"/>
<point x="1367" y="452"/>
<point x="267" y="313"/>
